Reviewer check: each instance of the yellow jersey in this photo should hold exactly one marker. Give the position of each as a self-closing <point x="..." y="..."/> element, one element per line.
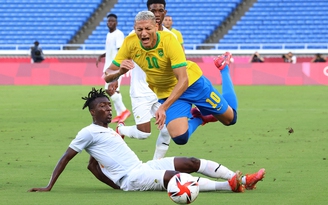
<point x="178" y="34"/>
<point x="158" y="63"/>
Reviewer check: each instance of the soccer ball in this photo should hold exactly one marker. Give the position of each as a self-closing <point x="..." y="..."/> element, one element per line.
<point x="183" y="188"/>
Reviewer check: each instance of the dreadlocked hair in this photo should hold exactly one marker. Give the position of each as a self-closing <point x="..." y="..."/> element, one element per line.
<point x="93" y="94"/>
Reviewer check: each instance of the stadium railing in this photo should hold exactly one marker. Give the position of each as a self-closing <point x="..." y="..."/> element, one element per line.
<point x="190" y="49"/>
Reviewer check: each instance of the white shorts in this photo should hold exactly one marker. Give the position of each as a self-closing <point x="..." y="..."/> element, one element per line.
<point x="149" y="176"/>
<point x="144" y="108"/>
<point x="118" y="86"/>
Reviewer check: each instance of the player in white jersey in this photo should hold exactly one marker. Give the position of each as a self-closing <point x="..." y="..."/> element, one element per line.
<point x="115" y="164"/>
<point x="144" y="100"/>
<point x="114" y="40"/>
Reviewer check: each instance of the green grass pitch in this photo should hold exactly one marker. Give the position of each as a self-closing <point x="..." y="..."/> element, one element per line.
<point x="38" y="123"/>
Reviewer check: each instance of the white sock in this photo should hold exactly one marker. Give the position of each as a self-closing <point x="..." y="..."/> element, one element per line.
<point x="118" y="103"/>
<point x="215" y="170"/>
<point x="133" y="132"/>
<point x="209" y="185"/>
<point x="243" y="180"/>
<point x="162" y="143"/>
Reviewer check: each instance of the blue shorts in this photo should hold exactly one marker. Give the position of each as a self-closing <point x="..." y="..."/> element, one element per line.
<point x="203" y="95"/>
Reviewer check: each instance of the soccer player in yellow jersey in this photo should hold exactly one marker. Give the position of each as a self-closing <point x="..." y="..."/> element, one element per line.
<point x="144" y="101"/>
<point x="178" y="83"/>
<point x="168" y="21"/>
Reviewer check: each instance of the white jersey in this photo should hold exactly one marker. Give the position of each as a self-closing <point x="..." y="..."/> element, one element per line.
<point x="114" y="156"/>
<point x="138" y="85"/>
<point x="114" y="41"/>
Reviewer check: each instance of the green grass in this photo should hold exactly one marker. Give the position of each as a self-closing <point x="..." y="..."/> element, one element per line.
<point x="38" y="123"/>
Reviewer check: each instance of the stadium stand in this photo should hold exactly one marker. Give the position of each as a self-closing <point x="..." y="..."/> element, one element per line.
<point x="48" y="21"/>
<point x="278" y="22"/>
<point x="188" y="17"/>
<point x="269" y="24"/>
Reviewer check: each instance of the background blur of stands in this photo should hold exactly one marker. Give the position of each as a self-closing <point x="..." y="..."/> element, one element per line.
<point x="207" y="49"/>
<point x="72" y="33"/>
<point x="78" y="27"/>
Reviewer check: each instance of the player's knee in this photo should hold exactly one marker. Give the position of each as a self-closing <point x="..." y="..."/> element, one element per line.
<point x="142" y="135"/>
<point x="91" y="166"/>
<point x="234" y="120"/>
<point x="181" y="139"/>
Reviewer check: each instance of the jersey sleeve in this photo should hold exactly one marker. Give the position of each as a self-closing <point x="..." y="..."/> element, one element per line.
<point x="82" y="140"/>
<point x="123" y="53"/>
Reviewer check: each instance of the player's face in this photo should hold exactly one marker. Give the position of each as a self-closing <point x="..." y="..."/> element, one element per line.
<point x="102" y="112"/>
<point x="167" y="22"/>
<point x="111" y="23"/>
<point x="159" y="11"/>
<point x="146" y="32"/>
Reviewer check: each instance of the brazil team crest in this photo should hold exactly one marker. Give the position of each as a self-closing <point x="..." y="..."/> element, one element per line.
<point x="160" y="52"/>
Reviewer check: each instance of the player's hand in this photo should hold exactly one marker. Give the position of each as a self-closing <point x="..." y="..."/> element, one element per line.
<point x="43" y="189"/>
<point x="160" y="117"/>
<point x="125" y="66"/>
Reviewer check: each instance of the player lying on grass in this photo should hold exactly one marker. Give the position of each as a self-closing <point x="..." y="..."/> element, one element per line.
<point x="115" y="164"/>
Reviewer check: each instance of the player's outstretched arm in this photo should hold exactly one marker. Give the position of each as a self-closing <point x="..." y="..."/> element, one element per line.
<point x="93" y="166"/>
<point x="68" y="155"/>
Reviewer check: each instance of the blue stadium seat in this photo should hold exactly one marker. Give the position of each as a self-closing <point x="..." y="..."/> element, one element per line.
<point x="227" y="47"/>
<point x="48" y="21"/>
<point x="188" y="17"/>
<point x="317" y="46"/>
<point x="280" y="21"/>
<point x="268" y="22"/>
<point x="279" y="47"/>
<point x="294" y="47"/>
